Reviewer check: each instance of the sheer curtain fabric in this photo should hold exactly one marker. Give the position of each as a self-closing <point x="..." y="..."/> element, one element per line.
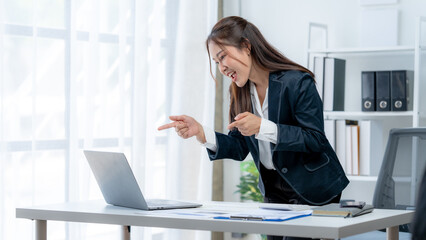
<point x="100" y="75"/>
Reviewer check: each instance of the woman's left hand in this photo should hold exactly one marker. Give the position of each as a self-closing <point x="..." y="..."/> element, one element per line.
<point x="247" y="123"/>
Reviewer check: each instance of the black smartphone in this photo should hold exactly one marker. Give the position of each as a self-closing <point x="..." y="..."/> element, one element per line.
<point x="352" y="204"/>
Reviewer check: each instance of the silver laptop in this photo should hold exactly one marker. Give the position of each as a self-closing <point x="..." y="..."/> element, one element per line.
<point x="119" y="186"/>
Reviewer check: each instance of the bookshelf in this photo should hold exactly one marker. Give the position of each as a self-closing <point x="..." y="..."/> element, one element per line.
<point x="377" y="59"/>
<point x="364" y="50"/>
<point x="366" y="115"/>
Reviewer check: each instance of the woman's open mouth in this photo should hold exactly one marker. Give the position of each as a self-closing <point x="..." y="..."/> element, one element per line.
<point x="233" y="76"/>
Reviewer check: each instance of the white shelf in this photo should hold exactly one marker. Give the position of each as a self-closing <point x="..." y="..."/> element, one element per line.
<point x="374" y="178"/>
<point x="364" y="50"/>
<point x="362" y="178"/>
<point x="404" y="54"/>
<point x="365" y="115"/>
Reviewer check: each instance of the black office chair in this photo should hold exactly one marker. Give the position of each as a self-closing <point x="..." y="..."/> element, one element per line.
<point x="403" y="166"/>
<point x="398" y="181"/>
<point x="418" y="228"/>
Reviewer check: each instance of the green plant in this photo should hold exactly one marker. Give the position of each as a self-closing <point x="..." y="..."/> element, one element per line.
<point x="248" y="187"/>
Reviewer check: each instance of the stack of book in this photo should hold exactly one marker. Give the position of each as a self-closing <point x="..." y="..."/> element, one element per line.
<point x="356" y="144"/>
<point x="335" y="210"/>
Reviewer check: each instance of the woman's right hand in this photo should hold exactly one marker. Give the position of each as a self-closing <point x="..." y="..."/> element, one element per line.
<point x="186" y="127"/>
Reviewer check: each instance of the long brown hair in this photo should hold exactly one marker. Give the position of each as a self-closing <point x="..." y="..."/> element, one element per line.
<point x="238" y="32"/>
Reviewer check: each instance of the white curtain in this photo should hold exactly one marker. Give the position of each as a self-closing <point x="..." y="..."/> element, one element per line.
<point x="102" y="75"/>
<point x="192" y="95"/>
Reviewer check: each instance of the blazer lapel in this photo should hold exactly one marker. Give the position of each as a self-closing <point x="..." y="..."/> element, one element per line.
<point x="274" y="98"/>
<point x="274" y="104"/>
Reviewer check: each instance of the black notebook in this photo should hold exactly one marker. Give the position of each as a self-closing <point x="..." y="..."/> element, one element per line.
<point x="334" y="210"/>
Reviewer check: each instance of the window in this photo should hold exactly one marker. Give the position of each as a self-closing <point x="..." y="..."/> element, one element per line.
<point x="68" y="83"/>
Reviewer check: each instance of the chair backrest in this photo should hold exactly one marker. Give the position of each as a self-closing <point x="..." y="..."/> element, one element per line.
<point x="418" y="224"/>
<point x="401" y="169"/>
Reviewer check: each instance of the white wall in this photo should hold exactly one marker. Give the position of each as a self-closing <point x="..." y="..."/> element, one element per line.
<point x="284" y="23"/>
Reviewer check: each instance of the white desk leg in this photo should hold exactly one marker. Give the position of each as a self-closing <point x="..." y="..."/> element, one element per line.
<point x="392" y="233"/>
<point x="125" y="234"/>
<point x="40" y="230"/>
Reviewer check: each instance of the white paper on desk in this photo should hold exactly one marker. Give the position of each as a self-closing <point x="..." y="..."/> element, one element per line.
<point x="190" y="213"/>
<point x="269" y="215"/>
<point x="284" y="207"/>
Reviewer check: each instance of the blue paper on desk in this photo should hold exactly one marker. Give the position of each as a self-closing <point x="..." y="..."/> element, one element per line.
<point x="266" y="215"/>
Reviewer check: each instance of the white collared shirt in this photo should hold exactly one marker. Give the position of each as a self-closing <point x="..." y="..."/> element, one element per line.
<point x="268" y="132"/>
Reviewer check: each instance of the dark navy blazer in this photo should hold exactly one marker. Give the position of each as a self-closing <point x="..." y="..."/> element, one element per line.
<point x="302" y="156"/>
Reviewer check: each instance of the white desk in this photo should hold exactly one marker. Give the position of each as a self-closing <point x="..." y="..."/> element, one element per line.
<point x="314" y="227"/>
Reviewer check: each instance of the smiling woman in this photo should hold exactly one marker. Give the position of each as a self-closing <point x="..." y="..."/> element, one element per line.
<point x="244" y="43"/>
<point x="96" y="75"/>
<point x="276" y="115"/>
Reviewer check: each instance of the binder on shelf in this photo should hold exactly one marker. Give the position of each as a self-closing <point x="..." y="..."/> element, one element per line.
<point x="355" y="149"/>
<point x="368" y="82"/>
<point x="371" y="154"/>
<point x="383" y="91"/>
<point x="319" y="74"/>
<point x="341" y="142"/>
<point x="334" y="84"/>
<point x="401" y="90"/>
<point x="330" y="132"/>
<point x="350" y="142"/>
<point x="348" y="150"/>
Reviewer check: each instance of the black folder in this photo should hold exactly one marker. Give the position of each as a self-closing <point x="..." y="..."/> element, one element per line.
<point x="383" y="91"/>
<point x="368" y="91"/>
<point x="334" y="84"/>
<point x="400" y="90"/>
